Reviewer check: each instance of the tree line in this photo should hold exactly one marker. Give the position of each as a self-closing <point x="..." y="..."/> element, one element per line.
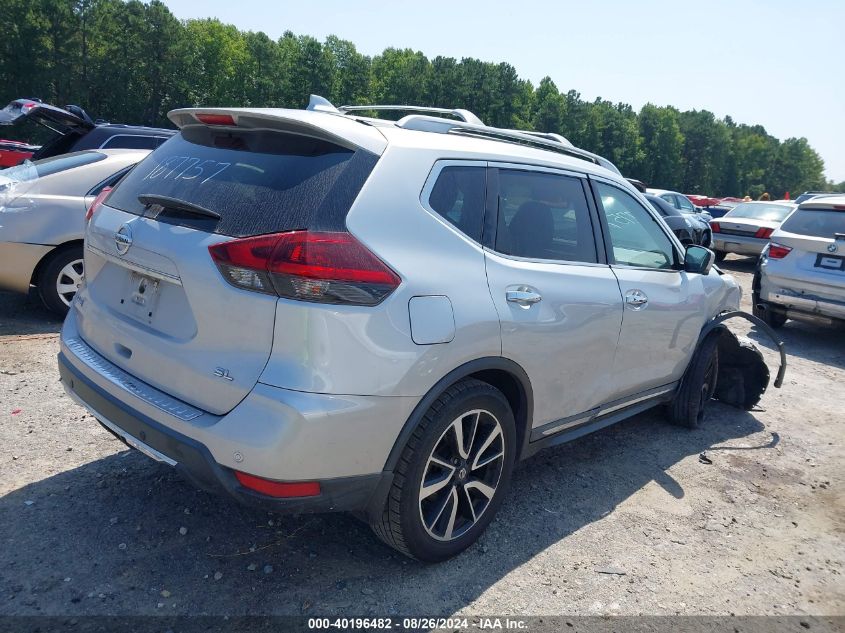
<point x="132" y="62"/>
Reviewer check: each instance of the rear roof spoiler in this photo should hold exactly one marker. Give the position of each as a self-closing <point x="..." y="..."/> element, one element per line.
<point x="321" y="124"/>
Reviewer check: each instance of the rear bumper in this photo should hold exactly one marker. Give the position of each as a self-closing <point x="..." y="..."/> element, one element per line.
<point x="17" y="262"/>
<point x="194" y="460"/>
<point x="812" y="305"/>
<point x="739" y="244"/>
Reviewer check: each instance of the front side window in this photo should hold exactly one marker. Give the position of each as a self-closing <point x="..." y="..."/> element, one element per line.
<point x="544" y="216"/>
<point x="635" y="235"/>
<point x="458" y="197"/>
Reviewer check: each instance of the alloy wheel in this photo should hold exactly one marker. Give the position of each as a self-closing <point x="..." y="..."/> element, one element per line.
<point x="69" y="280"/>
<point x="461" y="475"/>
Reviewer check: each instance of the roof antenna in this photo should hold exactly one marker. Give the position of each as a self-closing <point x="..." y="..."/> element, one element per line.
<point x="320" y="104"/>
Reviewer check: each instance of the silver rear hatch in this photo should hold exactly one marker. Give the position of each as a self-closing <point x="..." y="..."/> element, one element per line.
<point x="155" y="304"/>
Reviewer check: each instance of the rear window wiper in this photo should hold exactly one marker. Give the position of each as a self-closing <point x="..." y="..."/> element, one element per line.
<point x="166" y="202"/>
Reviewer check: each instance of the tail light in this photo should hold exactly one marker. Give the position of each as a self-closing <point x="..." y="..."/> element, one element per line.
<point x="764" y="233"/>
<point x="98" y="202"/>
<point x="306" y="265"/>
<point x="778" y="251"/>
<point x="714" y="226"/>
<point x="278" y="488"/>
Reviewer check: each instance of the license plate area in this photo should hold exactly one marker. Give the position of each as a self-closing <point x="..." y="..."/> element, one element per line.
<point x="140" y="299"/>
<point x="830" y="262"/>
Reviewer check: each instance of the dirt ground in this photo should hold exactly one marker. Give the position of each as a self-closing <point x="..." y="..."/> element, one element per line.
<point x="626" y="521"/>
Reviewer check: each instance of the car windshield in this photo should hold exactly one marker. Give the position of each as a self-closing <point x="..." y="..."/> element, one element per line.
<point x="760" y="211"/>
<point x="816" y="222"/>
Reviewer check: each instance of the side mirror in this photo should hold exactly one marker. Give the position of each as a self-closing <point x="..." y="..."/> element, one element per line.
<point x="699" y="260"/>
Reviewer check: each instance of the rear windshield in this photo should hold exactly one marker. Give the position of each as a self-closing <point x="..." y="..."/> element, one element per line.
<point x="816" y="222"/>
<point x="760" y="211"/>
<point x="258" y="181"/>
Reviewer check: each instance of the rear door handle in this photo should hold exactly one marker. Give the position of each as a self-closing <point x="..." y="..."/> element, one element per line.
<point x="523" y="297"/>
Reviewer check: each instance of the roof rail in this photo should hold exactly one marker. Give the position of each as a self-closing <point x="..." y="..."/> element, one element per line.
<point x="469" y="125"/>
<point x="538" y="140"/>
<point x="464" y="115"/>
<point x="551" y="136"/>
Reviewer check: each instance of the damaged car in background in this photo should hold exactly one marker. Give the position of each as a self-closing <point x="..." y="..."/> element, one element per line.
<point x="71" y="129"/>
<point x="477" y="268"/>
<point x="801" y="273"/>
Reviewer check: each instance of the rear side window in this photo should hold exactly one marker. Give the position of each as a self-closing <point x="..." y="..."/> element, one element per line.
<point x="258" y="181"/>
<point x="133" y="141"/>
<point x="544" y="216"/>
<point x="816" y="222"/>
<point x="458" y="196"/>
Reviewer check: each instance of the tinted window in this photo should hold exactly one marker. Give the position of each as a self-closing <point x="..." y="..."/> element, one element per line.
<point x="544" y="216"/>
<point x="49" y="166"/>
<point x="760" y="211"/>
<point x="816" y="222"/>
<point x="132" y="141"/>
<point x="258" y="181"/>
<point x="635" y="235"/>
<point x="458" y="196"/>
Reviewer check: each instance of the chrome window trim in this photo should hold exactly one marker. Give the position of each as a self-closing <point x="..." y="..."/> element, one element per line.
<point x="111" y="138"/>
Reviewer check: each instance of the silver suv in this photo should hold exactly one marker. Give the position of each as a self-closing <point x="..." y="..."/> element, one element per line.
<point x="801" y="274"/>
<point x="315" y="310"/>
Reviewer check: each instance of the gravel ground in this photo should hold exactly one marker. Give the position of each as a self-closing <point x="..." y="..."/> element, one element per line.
<point x="626" y="521"/>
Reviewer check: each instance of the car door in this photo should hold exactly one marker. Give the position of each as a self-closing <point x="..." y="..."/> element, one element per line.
<point x="665" y="308"/>
<point x="557" y="299"/>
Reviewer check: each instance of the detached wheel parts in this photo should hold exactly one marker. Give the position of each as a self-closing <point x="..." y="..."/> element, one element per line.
<point x="452" y="475"/>
<point x="697" y="387"/>
<point x="60" y="278"/>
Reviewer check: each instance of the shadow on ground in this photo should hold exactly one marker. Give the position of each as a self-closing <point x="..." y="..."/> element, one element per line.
<point x="25" y="314"/>
<point x="105" y="538"/>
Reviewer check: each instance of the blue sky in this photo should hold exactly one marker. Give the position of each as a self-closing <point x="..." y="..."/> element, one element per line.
<point x="777" y="63"/>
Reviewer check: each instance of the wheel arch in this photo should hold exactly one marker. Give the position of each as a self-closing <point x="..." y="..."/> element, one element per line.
<point x="502" y="373"/>
<point x="39" y="267"/>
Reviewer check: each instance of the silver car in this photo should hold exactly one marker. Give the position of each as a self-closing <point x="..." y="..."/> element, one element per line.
<point x="746" y="229"/>
<point x="802" y="271"/>
<point x="42" y="219"/>
<point x="314" y="310"/>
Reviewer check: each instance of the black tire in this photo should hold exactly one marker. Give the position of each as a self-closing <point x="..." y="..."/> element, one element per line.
<point x="698" y="386"/>
<point x="768" y="316"/>
<point x="720" y="255"/>
<point x="401" y="524"/>
<point x="51" y="273"/>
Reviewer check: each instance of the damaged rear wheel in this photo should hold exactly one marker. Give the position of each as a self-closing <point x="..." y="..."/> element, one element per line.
<point x="697" y="387"/>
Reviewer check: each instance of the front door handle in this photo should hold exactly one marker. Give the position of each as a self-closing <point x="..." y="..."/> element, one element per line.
<point x="636" y="299"/>
<point x="523" y="296"/>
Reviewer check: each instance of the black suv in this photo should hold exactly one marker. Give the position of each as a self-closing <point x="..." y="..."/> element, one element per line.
<point x="74" y="130"/>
